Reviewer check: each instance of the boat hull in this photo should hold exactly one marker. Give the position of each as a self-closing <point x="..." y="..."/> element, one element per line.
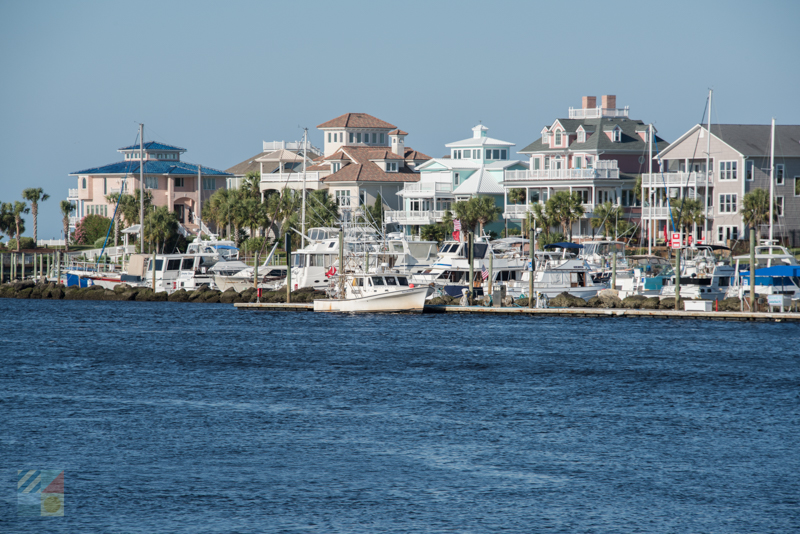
<point x="407" y="300"/>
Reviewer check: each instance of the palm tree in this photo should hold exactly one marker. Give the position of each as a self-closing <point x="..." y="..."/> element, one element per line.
<point x="129" y="205"/>
<point x="755" y="212"/>
<point x="160" y="225"/>
<point x="516" y="196"/>
<point x="606" y="215"/>
<point x="66" y="210"/>
<point x="282" y="206"/>
<point x="485" y="210"/>
<point x="34" y="195"/>
<point x="251" y="185"/>
<point x="321" y="209"/>
<point x="465" y="212"/>
<point x="687" y="212"/>
<point x="18" y="210"/>
<point x="566" y="208"/>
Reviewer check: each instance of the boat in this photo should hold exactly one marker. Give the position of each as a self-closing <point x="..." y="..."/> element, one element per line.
<point x="556" y="273"/>
<point x="598" y="255"/>
<point x="372" y="292"/>
<point x="703" y="276"/>
<point x="644" y="276"/>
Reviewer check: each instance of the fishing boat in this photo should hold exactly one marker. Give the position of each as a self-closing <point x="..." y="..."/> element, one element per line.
<point x="372" y="292"/>
<point x="556" y="273"/>
<point x="645" y="276"/>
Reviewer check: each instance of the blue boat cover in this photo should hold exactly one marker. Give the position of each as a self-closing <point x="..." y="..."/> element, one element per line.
<point x="776" y="270"/>
<point x="563" y="245"/>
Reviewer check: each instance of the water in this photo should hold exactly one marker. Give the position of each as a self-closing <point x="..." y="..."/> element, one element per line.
<point x="193" y="418"/>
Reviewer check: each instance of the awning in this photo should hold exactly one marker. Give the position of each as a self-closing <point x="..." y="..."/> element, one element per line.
<point x="563" y="245"/>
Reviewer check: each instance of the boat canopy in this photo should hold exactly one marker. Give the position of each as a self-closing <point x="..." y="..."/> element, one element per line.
<point x="563" y="245"/>
<point x="776" y="270"/>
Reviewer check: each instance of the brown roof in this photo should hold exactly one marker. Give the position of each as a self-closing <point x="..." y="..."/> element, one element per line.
<point x="397" y="131"/>
<point x="319" y="167"/>
<point x="356" y="120"/>
<point x="410" y="153"/>
<point x="251" y="165"/>
<point x="364" y="170"/>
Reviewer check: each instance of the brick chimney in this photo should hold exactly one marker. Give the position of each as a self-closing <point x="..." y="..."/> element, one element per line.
<point x="589" y="102"/>
<point x="609" y="101"/>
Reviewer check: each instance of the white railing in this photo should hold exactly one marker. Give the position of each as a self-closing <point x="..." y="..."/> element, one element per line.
<point x="605" y="164"/>
<point x="429" y="187"/>
<point x="290" y="177"/>
<point x="74" y="220"/>
<point x="50" y="243"/>
<point x="518" y="211"/>
<point x="113" y="190"/>
<point x="596" y="113"/>
<point x="560" y="174"/>
<point x="413" y="217"/>
<point x="272" y="146"/>
<point x="663" y="212"/>
<point x="73" y="194"/>
<point x="673" y="179"/>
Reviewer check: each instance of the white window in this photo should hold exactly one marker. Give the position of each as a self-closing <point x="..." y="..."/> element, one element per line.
<point x="329" y="137"/>
<point x="779" y="206"/>
<point x="749" y="167"/>
<point x="391" y="166"/>
<point x="383" y="139"/>
<point x="547" y="163"/>
<point x="616" y="135"/>
<point x="727" y="170"/>
<point x="577" y="162"/>
<point x="779" y="174"/>
<point x="456" y="178"/>
<point x="727" y="202"/>
<point x="362" y="197"/>
<point x="343" y="198"/>
<point x="209" y="184"/>
<point x="83" y="183"/>
<point x="581" y="136"/>
<point x="178" y="182"/>
<point x="558" y="138"/>
<point x="727" y="232"/>
<point x="335" y="167"/>
<point x="502" y="154"/>
<point x="374" y="138"/>
<point x="151" y="182"/>
<point x="351" y="137"/>
<point x="536" y="163"/>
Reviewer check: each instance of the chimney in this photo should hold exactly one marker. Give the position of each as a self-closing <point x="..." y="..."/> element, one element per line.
<point x="589" y="102"/>
<point x="398" y="143"/>
<point x="609" y="102"/>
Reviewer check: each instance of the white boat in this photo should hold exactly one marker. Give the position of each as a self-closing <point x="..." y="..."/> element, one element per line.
<point x="373" y="292"/>
<point x="645" y="276"/>
<point x="556" y="273"/>
<point x="598" y="255"/>
<point x="222" y="250"/>
<point x="775" y="268"/>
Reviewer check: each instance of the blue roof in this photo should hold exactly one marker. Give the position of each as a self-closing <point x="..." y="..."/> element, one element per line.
<point x="153" y="145"/>
<point x="153" y="167"/>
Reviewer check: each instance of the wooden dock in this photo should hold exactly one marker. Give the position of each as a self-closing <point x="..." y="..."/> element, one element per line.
<point x="565" y="312"/>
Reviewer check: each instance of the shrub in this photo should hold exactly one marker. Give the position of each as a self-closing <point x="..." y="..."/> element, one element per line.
<point x="26" y="243"/>
<point x="91" y="228"/>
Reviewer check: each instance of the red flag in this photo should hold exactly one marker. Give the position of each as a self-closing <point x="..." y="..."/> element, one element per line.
<point x="456" y="235"/>
<point x="330" y="272"/>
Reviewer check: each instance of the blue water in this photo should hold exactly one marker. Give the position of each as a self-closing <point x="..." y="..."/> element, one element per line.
<point x="191" y="418"/>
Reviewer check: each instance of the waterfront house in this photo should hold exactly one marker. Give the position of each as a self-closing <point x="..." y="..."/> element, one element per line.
<point x="177" y="184"/>
<point x="365" y="157"/>
<point x="739" y="162"/>
<point x="597" y="151"/>
<point x="474" y="167"/>
<point x="268" y="162"/>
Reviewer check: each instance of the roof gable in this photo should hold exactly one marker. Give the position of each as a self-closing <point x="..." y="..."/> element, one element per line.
<point x="357" y="120"/>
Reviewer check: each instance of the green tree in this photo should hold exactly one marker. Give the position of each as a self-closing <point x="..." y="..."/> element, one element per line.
<point x="91" y="228"/>
<point x="7" y="218"/>
<point x="566" y="208"/>
<point x="281" y="207"/>
<point x="19" y="226"/>
<point x="687" y="212"/>
<point x="374" y="213"/>
<point x="516" y="196"/>
<point x="465" y="212"/>
<point x="34" y="195"/>
<point x="321" y="209"/>
<point x="251" y="185"/>
<point x="485" y="210"/>
<point x="540" y="218"/>
<point x="129" y="205"/>
<point x="606" y="215"/>
<point x="434" y="232"/>
<point x="66" y="211"/>
<point x="755" y="212"/>
<point x="160" y="225"/>
<point x="117" y="213"/>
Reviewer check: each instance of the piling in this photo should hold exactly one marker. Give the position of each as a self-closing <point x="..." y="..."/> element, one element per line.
<point x="288" y="245"/>
<point x="471" y="267"/>
<point x="58" y="267"/>
<point x="614" y="271"/>
<point x="533" y="266"/>
<point x="23" y="266"/>
<point x="678" y="280"/>
<point x="2" y="267"/>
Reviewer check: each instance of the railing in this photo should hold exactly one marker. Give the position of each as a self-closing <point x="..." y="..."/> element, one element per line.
<point x="73" y="194"/>
<point x="50" y="243"/>
<point x="290" y="177"/>
<point x="429" y="187"/>
<point x="74" y="220"/>
<point x="113" y="190"/>
<point x="596" y="113"/>
<point x="663" y="212"/>
<point x="518" y="211"/>
<point x="561" y="174"/>
<point x="272" y="146"/>
<point x="413" y="217"/>
<point x="677" y="179"/>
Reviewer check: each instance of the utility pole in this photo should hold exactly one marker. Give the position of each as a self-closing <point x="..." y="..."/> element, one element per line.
<point x="531" y="234"/>
<point x="470" y="241"/>
<point x="706" y="240"/>
<point x="303" y="208"/>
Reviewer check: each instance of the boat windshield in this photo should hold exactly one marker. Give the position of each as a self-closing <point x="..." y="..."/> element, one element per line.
<point x="377" y="281"/>
<point x="402" y="280"/>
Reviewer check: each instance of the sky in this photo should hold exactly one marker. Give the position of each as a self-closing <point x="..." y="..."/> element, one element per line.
<point x="218" y="78"/>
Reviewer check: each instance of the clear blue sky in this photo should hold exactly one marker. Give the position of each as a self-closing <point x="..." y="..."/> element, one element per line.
<point x="217" y="78"/>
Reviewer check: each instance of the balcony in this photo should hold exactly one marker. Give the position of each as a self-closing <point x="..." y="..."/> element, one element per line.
<point x="604" y="169"/>
<point x="429" y="189"/>
<point x="72" y="195"/>
<point x="74" y="220"/>
<point x="519" y="211"/>
<point x="413" y="217"/>
<point x="270" y="181"/>
<point x="597" y="113"/>
<point x="678" y="179"/>
<point x="663" y="212"/>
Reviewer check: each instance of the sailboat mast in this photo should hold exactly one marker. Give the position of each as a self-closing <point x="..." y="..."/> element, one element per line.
<point x="771" y="178"/>
<point x="303" y="208"/>
<point x="650" y="189"/>
<point x="141" y="189"/>
<point x="706" y="240"/>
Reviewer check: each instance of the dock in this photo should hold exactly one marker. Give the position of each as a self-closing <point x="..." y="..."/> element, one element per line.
<point x="567" y="312"/>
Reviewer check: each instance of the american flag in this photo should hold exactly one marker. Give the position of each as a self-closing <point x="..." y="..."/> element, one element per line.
<point x="484" y="272"/>
<point x="457" y="225"/>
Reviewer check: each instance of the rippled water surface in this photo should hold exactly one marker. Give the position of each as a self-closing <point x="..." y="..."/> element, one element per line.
<point x="199" y="418"/>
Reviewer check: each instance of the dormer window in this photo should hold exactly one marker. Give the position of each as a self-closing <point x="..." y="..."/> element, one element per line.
<point x="581" y="136"/>
<point x="391" y="166"/>
<point x="616" y="135"/>
<point x="335" y="167"/>
<point x="558" y="138"/>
